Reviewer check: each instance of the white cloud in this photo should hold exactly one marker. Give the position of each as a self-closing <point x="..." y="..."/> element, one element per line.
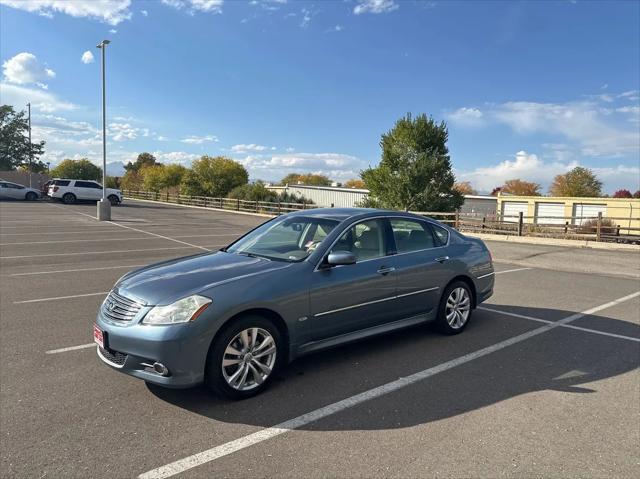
<point x="467" y="117"/>
<point x="530" y="167"/>
<point x="122" y="131"/>
<point x="336" y="166"/>
<point x="199" y="140"/>
<point x="246" y="148"/>
<point x="87" y="57"/>
<point x="307" y="15"/>
<point x="24" y="68"/>
<point x="19" y="96"/>
<point x="144" y="13"/>
<point x="181" y="157"/>
<point x="209" y="6"/>
<point x="113" y="31"/>
<point x="108" y="11"/>
<point x="375" y="6"/>
<point x="580" y="122"/>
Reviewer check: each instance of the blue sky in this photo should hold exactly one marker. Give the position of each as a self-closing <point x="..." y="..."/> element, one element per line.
<point x="528" y="89"/>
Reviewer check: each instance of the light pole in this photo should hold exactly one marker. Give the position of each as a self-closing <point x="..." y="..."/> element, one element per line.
<point x="30" y="147"/>
<point x="104" y="207"/>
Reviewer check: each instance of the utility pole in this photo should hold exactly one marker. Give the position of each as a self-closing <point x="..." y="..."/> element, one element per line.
<point x="30" y="146"/>
<point x="104" y="207"/>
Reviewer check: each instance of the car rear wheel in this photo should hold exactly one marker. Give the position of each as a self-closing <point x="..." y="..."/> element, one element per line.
<point x="69" y="198"/>
<point x="455" y="308"/>
<point x="31" y="196"/>
<point x="113" y="199"/>
<point x="244" y="357"/>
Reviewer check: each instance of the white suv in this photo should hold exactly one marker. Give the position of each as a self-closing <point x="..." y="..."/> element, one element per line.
<point x="70" y="191"/>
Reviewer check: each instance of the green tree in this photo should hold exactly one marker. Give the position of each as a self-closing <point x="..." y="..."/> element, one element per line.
<point x="14" y="141"/>
<point x="152" y="177"/>
<point x="213" y="176"/>
<point x="310" y="179"/>
<point x="77" y="170"/>
<point x="253" y="192"/>
<point x="113" y="182"/>
<point x="132" y="180"/>
<point x="172" y="175"/>
<point x="577" y="182"/>
<point x="415" y="170"/>
<point x="144" y="159"/>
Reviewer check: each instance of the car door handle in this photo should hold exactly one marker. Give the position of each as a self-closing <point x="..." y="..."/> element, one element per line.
<point x="384" y="270"/>
<point x="442" y="259"/>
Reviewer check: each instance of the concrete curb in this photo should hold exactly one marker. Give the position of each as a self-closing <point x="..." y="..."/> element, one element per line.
<point x="557" y="242"/>
<point x="234" y="212"/>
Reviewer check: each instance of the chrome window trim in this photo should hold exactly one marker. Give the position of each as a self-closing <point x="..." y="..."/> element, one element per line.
<point x="375" y="301"/>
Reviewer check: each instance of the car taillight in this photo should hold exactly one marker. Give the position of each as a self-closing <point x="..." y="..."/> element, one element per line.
<point x="55" y="188"/>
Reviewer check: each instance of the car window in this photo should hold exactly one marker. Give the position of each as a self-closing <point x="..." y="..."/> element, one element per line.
<point x="366" y="240"/>
<point x="60" y="183"/>
<point x="411" y="235"/>
<point x="14" y="186"/>
<point x="3" y="185"/>
<point x="84" y="184"/>
<point x="441" y="235"/>
<point x="287" y="239"/>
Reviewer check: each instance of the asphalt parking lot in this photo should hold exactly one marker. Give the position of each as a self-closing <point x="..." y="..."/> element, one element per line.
<point x="543" y="382"/>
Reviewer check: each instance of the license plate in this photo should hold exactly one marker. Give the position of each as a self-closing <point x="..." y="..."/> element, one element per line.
<point x="98" y="336"/>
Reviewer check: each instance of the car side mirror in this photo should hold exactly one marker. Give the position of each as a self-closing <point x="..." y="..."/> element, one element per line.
<point x="339" y="258"/>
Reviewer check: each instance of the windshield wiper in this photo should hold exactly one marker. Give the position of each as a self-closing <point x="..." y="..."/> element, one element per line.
<point x="253" y="255"/>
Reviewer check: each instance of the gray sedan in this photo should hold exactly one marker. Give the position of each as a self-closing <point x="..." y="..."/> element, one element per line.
<point x="14" y="191"/>
<point x="298" y="283"/>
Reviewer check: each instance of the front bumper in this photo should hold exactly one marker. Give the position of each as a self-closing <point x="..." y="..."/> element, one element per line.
<point x="132" y="347"/>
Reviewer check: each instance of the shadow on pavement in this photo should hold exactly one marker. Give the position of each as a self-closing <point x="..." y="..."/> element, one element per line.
<point x="562" y="360"/>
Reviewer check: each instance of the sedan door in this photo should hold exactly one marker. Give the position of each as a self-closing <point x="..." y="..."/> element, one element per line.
<point x="352" y="297"/>
<point x="422" y="266"/>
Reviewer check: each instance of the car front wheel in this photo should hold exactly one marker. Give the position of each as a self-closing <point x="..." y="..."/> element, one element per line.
<point x="455" y="308"/>
<point x="113" y="199"/>
<point x="244" y="357"/>
<point x="31" y="196"/>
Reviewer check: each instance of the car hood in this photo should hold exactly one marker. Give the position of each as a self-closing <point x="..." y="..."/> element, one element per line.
<point x="167" y="282"/>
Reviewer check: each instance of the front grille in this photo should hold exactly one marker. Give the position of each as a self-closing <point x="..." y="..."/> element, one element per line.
<point x="115" y="357"/>
<point x="118" y="308"/>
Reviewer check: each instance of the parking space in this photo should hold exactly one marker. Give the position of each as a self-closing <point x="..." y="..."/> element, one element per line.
<point x="544" y="381"/>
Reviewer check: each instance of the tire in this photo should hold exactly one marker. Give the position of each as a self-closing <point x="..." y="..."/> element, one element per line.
<point x="31" y="196"/>
<point x="69" y="198"/>
<point x="231" y="381"/>
<point x="113" y="199"/>
<point x="455" y="309"/>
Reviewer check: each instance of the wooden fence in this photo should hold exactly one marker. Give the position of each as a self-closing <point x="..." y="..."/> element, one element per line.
<point x="597" y="228"/>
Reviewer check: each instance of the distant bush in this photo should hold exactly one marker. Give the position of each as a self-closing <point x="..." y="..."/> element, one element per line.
<point x="591" y="227"/>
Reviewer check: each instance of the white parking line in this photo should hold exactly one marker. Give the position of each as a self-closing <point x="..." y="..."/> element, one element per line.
<point x="41" y="233"/>
<point x="99" y="252"/>
<point x="56" y="298"/>
<point x="142" y="231"/>
<point x="33" y="273"/>
<point x="217" y="452"/>
<point x="569" y="326"/>
<point x="71" y="348"/>
<point x="93" y="240"/>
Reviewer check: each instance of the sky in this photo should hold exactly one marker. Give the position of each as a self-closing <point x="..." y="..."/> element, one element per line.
<point x="528" y="89"/>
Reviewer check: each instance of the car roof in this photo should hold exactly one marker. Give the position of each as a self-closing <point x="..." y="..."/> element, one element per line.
<point x="341" y="214"/>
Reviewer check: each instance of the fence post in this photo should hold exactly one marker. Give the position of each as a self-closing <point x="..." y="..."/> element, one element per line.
<point x="257" y="209"/>
<point x="520" y="221"/>
<point x="599" y="227"/>
<point x="238" y="205"/>
<point x="566" y="227"/>
<point x="484" y="222"/>
<point x="279" y="210"/>
<point x="456" y="221"/>
<point x="167" y="196"/>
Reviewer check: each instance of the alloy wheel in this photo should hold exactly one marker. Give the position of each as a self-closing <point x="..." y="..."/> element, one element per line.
<point x="249" y="358"/>
<point x="458" y="307"/>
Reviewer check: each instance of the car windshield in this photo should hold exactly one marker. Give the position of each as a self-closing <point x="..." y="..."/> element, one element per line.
<point x="285" y="239"/>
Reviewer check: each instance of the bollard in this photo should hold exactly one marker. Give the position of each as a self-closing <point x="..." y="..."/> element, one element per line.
<point x="520" y="222"/>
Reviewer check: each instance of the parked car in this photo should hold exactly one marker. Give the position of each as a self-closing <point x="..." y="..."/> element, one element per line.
<point x="14" y="191"/>
<point x="299" y="283"/>
<point x="70" y="191"/>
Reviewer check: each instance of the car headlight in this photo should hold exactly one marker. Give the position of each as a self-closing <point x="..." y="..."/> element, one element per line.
<point x="182" y="311"/>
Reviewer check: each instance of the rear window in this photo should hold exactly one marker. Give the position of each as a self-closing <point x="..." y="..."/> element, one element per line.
<point x="60" y="182"/>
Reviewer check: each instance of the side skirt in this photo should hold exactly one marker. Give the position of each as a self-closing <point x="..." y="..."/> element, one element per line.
<point x="364" y="333"/>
